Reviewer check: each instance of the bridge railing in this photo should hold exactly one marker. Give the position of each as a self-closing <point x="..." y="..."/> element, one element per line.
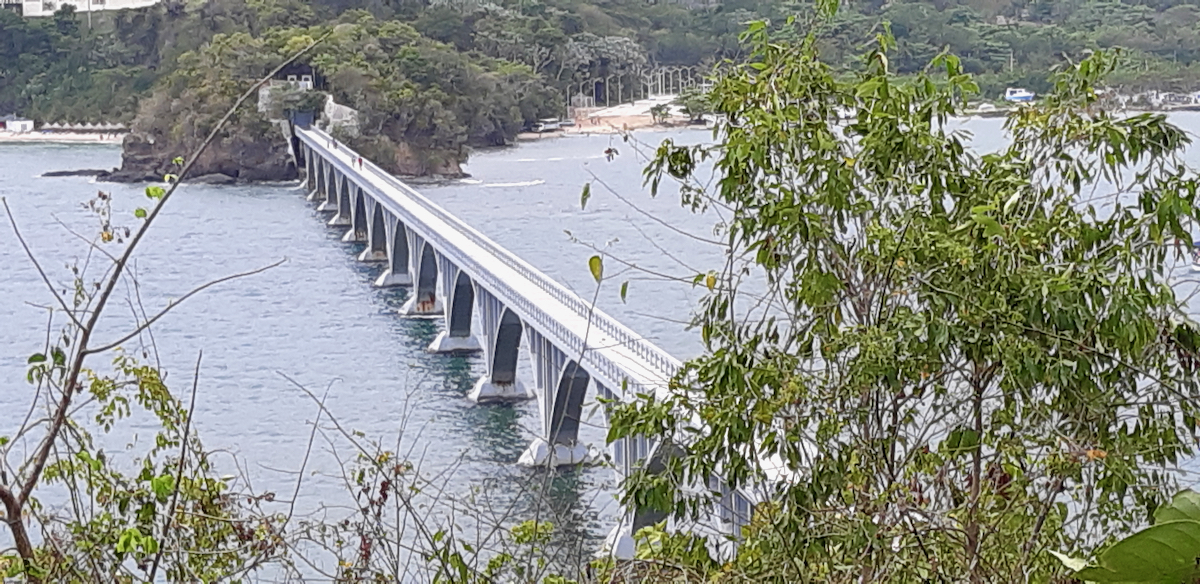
<point x="657" y="359"/>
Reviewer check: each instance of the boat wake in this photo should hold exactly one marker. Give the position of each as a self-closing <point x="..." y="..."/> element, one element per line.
<point x="528" y="183"/>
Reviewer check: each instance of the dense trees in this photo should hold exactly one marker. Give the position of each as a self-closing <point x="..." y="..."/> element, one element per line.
<point x="57" y="68"/>
<point x="438" y="58"/>
<point x="928" y="363"/>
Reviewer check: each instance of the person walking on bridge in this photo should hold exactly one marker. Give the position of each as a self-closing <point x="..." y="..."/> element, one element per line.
<point x="360" y="164"/>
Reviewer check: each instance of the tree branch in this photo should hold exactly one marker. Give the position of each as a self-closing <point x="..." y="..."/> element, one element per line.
<point x="164" y="311"/>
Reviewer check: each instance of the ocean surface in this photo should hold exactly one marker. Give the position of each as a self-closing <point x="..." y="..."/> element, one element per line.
<point x="316" y="318"/>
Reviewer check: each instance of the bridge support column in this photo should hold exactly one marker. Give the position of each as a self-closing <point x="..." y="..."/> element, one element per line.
<point x="376" y="250"/>
<point x="561" y="388"/>
<point x="358" y="216"/>
<point x="310" y="170"/>
<point x="319" y="175"/>
<point x="328" y="197"/>
<point x="342" y="192"/>
<point x="628" y="454"/>
<point x="502" y="330"/>
<point x="460" y="296"/>
<point x="396" y="273"/>
<point x="424" y="300"/>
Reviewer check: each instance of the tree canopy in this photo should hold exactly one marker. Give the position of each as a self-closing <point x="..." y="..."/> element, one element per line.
<point x="927" y="362"/>
<point x="60" y="69"/>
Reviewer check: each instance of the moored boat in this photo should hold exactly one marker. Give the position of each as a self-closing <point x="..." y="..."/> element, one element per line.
<point x="1018" y="94"/>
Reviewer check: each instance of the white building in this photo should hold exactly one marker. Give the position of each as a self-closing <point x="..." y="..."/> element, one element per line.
<point x="16" y="125"/>
<point x="49" y="7"/>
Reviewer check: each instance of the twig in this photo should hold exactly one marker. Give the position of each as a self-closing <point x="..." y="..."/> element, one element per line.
<point x="37" y="266"/>
<point x="183" y="450"/>
<point x="172" y="305"/>
<point x="71" y="383"/>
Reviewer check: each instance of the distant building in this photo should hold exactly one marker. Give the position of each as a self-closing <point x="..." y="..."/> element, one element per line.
<point x="295" y="76"/>
<point x="49" y="7"/>
<point x="300" y="75"/>
<point x="12" y="123"/>
<point x="13" y="5"/>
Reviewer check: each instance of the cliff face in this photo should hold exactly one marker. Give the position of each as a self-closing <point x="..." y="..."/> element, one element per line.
<point x="401" y="159"/>
<point x="407" y="162"/>
<point x="242" y="157"/>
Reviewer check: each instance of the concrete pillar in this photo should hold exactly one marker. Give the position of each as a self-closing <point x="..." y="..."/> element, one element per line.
<point x="358" y="215"/>
<point x="310" y="169"/>
<point x="343" y="197"/>
<point x="459" y="300"/>
<point x="629" y="454"/>
<point x="561" y="388"/>
<point x="424" y="300"/>
<point x="502" y="330"/>
<point x="320" y="176"/>
<point x="398" y="256"/>
<point x="376" y="250"/>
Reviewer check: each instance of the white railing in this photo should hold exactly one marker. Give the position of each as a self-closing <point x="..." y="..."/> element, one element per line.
<point x="659" y="365"/>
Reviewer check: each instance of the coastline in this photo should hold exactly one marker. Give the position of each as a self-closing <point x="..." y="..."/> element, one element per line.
<point x="108" y="138"/>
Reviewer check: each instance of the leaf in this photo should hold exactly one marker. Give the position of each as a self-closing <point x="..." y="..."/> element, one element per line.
<point x="624" y="289"/>
<point x="587" y="194"/>
<point x="170" y="178"/>
<point x="596" y="265"/>
<point x="1184" y="506"/>
<point x="162" y="486"/>
<point x="177" y="161"/>
<point x="1074" y="564"/>
<point x="36" y="358"/>
<point x="140" y="213"/>
<point x="991" y="227"/>
<point x="961" y="441"/>
<point x="710" y="281"/>
<point x="155" y="192"/>
<point x="1011" y="202"/>
<point x="1164" y="553"/>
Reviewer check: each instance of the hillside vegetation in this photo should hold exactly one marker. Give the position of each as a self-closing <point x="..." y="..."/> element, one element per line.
<point x="444" y="75"/>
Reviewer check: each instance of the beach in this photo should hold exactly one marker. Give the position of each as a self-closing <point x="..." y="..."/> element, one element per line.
<point x="63" y="138"/>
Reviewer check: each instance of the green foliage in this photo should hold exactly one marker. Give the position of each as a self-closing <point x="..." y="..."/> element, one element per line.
<point x="960" y="352"/>
<point x="128" y="518"/>
<point x="695" y="102"/>
<point x="1164" y="553"/>
<point x="660" y="112"/>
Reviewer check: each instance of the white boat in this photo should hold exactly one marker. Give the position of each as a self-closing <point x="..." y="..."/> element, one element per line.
<point x="1018" y="94"/>
<point x="547" y="125"/>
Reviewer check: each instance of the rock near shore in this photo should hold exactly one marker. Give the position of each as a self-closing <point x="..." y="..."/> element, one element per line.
<point x="236" y="158"/>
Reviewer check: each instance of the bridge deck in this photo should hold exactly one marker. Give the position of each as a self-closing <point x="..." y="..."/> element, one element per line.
<point x="611" y="352"/>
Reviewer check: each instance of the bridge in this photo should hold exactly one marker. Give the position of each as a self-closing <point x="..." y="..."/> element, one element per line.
<point x="458" y="274"/>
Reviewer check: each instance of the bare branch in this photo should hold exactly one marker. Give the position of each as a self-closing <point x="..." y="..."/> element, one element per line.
<point x="172" y="305"/>
<point x="37" y="266"/>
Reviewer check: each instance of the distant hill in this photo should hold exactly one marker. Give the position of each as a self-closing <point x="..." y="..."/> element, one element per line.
<point x="528" y="57"/>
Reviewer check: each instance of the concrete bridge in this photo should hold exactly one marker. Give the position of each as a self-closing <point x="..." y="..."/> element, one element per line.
<point x="459" y="275"/>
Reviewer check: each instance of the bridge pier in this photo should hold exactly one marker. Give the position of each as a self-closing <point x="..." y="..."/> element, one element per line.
<point x="342" y="194"/>
<point x="561" y="385"/>
<point x="396" y="273"/>
<point x="329" y="198"/>
<point x="460" y="297"/>
<point x="358" y="216"/>
<point x="502" y="330"/>
<point x="310" y="172"/>
<point x="629" y="454"/>
<point x="424" y="300"/>
<point x="376" y="250"/>
<point x="318" y="173"/>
